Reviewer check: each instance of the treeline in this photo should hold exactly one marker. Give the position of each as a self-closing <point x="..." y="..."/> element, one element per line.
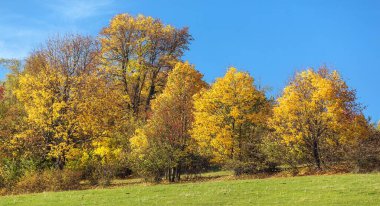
<point x="125" y="103"/>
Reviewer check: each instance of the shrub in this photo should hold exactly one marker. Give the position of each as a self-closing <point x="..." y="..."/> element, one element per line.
<point x="100" y="167"/>
<point x="195" y="164"/>
<point x="62" y="179"/>
<point x="100" y="174"/>
<point x="48" y="180"/>
<point x="30" y="182"/>
<point x="152" y="163"/>
<point x="368" y="154"/>
<point x="12" y="170"/>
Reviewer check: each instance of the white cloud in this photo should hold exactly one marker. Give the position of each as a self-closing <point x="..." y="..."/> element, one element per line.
<point x="20" y="33"/>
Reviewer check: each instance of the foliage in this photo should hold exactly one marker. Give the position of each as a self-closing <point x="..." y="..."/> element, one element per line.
<point x="165" y="139"/>
<point x="10" y="172"/>
<point x="153" y="161"/>
<point x="230" y="118"/>
<point x="317" y="118"/>
<point x="13" y="161"/>
<point x="11" y="111"/>
<point x="138" y="53"/>
<point x="367" y="155"/>
<point x="100" y="107"/>
<point x="48" y="180"/>
<point x="53" y="89"/>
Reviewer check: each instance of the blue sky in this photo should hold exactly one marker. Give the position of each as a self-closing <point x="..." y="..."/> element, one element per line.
<point x="272" y="39"/>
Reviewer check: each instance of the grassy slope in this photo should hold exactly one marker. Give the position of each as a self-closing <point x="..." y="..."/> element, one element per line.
<point x="311" y="190"/>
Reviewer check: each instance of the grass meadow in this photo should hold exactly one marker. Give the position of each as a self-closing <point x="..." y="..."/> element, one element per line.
<point x="345" y="189"/>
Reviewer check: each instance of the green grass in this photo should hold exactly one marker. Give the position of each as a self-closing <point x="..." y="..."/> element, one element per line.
<point x="350" y="189"/>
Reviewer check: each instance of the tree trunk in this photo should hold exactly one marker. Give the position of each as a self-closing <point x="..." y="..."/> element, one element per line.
<point x="151" y="92"/>
<point x="174" y="174"/>
<point x="178" y="173"/>
<point x="170" y="174"/>
<point x="317" y="158"/>
<point x="61" y="161"/>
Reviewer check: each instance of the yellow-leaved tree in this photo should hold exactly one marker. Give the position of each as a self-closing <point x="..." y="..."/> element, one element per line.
<point x="228" y="120"/>
<point x="317" y="118"/>
<point x="162" y="146"/>
<point x="138" y="52"/>
<point x="54" y="89"/>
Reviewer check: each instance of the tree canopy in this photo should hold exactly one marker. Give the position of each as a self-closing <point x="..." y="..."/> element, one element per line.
<point x="126" y="102"/>
<point x="317" y="114"/>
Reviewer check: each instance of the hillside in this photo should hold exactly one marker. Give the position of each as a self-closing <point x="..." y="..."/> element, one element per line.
<point x="350" y="189"/>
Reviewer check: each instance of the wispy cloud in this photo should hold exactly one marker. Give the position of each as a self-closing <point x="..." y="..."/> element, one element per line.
<point x="78" y="9"/>
<point x="25" y="29"/>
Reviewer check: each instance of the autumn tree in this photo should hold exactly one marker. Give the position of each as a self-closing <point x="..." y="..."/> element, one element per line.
<point x="166" y="134"/>
<point x="138" y="52"/>
<point x="13" y="153"/>
<point x="229" y="118"/>
<point x="317" y="117"/>
<point x="101" y="147"/>
<point x="52" y="89"/>
<point x="11" y="112"/>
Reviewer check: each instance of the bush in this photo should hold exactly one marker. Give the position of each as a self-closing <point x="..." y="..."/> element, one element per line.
<point x="100" y="174"/>
<point x="194" y="164"/>
<point x="368" y="154"/>
<point x="12" y="170"/>
<point x="254" y="156"/>
<point x="100" y="169"/>
<point x="62" y="180"/>
<point x="288" y="156"/>
<point x="48" y="180"/>
<point x="30" y="182"/>
<point x="153" y="164"/>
